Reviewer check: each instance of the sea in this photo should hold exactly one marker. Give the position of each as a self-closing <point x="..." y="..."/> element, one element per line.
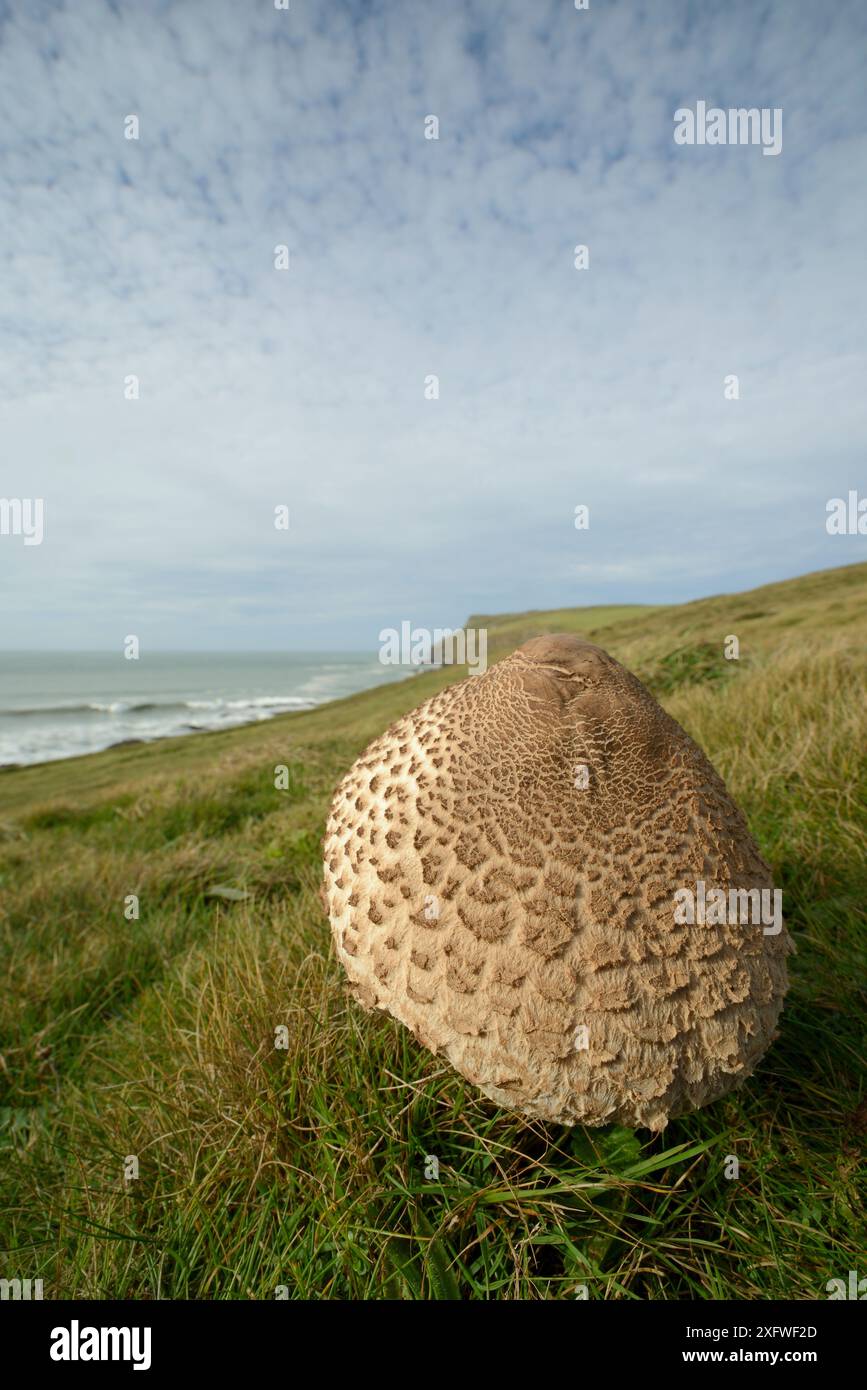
<point x="57" y="705"/>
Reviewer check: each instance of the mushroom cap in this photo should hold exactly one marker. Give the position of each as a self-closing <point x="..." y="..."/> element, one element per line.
<point x="500" y="874"/>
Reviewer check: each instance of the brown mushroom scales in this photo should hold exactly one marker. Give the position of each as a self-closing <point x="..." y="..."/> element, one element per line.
<point x="500" y="874"/>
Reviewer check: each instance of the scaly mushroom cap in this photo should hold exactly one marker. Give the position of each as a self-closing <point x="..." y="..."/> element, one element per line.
<point x="500" y="874"/>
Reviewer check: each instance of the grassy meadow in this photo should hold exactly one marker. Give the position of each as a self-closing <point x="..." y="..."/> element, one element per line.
<point x="305" y="1168"/>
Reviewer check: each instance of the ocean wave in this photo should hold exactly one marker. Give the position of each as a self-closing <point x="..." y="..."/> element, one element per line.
<point x="81" y="721"/>
<point x="271" y="701"/>
<point x="58" y="737"/>
<point x="92" y="707"/>
<point x="159" y="706"/>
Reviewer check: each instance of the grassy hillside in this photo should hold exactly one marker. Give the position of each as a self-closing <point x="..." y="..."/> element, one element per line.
<point x="305" y="1166"/>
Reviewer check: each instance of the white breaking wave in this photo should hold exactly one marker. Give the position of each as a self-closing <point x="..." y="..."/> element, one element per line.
<point x="46" y="740"/>
<point x="43" y="728"/>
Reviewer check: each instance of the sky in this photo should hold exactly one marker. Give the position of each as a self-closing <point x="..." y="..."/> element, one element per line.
<point x="411" y="258"/>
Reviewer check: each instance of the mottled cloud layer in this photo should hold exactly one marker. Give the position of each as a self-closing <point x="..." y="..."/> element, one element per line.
<point x="411" y="257"/>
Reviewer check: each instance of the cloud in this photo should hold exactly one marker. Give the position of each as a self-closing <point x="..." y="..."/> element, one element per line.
<point x="409" y="257"/>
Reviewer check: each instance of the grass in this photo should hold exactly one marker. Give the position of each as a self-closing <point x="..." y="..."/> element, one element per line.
<point x="287" y="1142"/>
